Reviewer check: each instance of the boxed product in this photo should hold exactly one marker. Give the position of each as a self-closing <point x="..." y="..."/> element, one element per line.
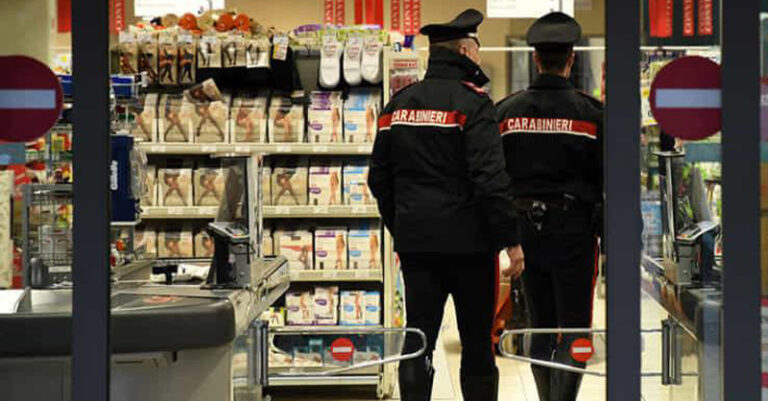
<point x="324" y="117"/>
<point x="286" y="120"/>
<point x="326" y="306"/>
<point x="274" y="316"/>
<point x="325" y="184"/>
<point x="175" y="186"/>
<point x="289" y="182"/>
<point x="299" y="308"/>
<point x="211" y="120"/>
<point x="364" y="243"/>
<point x="367" y="354"/>
<point x="148" y="51"/>
<point x="144" y="114"/>
<point x="309" y="356"/>
<point x="331" y="248"/>
<point x="233" y="50"/>
<point x="372" y="308"/>
<point x="167" y="61"/>
<point x="279" y="358"/>
<point x="352" y="308"/>
<point x="209" y="186"/>
<point x="187" y="50"/>
<point x="175" y="119"/>
<point x="204" y="245"/>
<point x="128" y="50"/>
<point x="361" y="112"/>
<point x="356" y="184"/>
<point x="266" y="185"/>
<point x="249" y="119"/>
<point x="209" y="51"/>
<point x="149" y="198"/>
<point x="175" y="241"/>
<point x="296" y="247"/>
<point x="267" y="243"/>
<point x="146" y="237"/>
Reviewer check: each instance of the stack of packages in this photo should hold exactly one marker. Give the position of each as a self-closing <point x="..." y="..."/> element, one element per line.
<point x="327" y="306"/>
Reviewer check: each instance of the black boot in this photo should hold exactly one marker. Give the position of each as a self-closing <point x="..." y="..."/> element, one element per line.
<point x="416" y="377"/>
<point x="480" y="388"/>
<point x="565" y="386"/>
<point x="543" y="378"/>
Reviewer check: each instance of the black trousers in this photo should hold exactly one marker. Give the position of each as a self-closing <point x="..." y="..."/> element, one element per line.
<point x="471" y="280"/>
<point x="559" y="278"/>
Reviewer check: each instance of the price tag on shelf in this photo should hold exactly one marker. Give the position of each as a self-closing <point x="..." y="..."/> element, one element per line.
<point x="157" y="149"/>
<point x="364" y="149"/>
<point x="242" y="149"/>
<point x="282" y="210"/>
<point x="320" y="149"/>
<point x="321" y="210"/>
<point x="359" y="209"/>
<point x="284" y="149"/>
<point x="206" y="211"/>
<point x="210" y="149"/>
<point x="175" y="211"/>
<point x="328" y="275"/>
<point x="361" y="274"/>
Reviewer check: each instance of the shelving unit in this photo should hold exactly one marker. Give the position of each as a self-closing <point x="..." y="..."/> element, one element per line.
<point x="348" y="276"/>
<point x="273" y="149"/>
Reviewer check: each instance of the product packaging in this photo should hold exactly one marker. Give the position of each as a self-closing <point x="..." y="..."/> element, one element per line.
<point x="365" y="246"/>
<point x="279" y="358"/>
<point x="233" y="50"/>
<point x="325" y="184"/>
<point x="296" y="247"/>
<point x="310" y="356"/>
<point x="168" y="58"/>
<point x="324" y="117"/>
<point x="187" y="51"/>
<point x="372" y="308"/>
<point x="148" y="52"/>
<point x="211" y="121"/>
<point x="209" y="51"/>
<point x="289" y="182"/>
<point x="275" y="316"/>
<point x="361" y="111"/>
<point x="352" y="308"/>
<point x="331" y="248"/>
<point x="204" y="245"/>
<point x="368" y="354"/>
<point x="144" y="114"/>
<point x="176" y="114"/>
<point x="267" y="243"/>
<point x="146" y="237"/>
<point x="249" y="119"/>
<point x="299" y="308"/>
<point x="356" y="184"/>
<point x="175" y="187"/>
<point x="128" y="50"/>
<point x="326" y="306"/>
<point x="209" y="186"/>
<point x="258" y="52"/>
<point x="266" y="185"/>
<point x="149" y="198"/>
<point x="176" y="242"/>
<point x="286" y="120"/>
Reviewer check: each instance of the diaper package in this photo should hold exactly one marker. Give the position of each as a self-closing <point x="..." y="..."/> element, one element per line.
<point x="331" y="248"/>
<point x="324" y="117"/>
<point x="364" y="243"/>
<point x="325" y="184"/>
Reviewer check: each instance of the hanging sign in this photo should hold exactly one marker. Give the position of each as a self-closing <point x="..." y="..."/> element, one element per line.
<point x="329" y="13"/>
<point x="358" y="12"/>
<point x="415" y="16"/>
<point x="689" y="23"/>
<point x="527" y="8"/>
<point x="706" y="18"/>
<point x="395" y="15"/>
<point x="341" y="17"/>
<point x="407" y="21"/>
<point x="118" y="16"/>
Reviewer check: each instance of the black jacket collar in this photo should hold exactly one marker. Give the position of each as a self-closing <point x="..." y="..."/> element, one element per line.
<point x="547" y="81"/>
<point x="446" y="64"/>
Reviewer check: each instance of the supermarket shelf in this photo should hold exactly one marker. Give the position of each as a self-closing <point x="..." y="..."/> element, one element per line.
<point x="344" y="211"/>
<point x="359" y="380"/>
<point x="350" y="149"/>
<point x="319" y="330"/>
<point x="188" y="212"/>
<point x="337" y="275"/>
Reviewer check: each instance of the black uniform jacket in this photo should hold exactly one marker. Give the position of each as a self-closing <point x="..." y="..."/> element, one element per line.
<point x="437" y="168"/>
<point x="552" y="136"/>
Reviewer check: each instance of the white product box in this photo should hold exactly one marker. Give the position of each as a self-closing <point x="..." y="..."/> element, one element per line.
<point x="267" y="243"/>
<point x="326" y="306"/>
<point x="361" y="110"/>
<point x="297" y="247"/>
<point x="299" y="308"/>
<point x="325" y="184"/>
<point x="364" y="243"/>
<point x="331" y="248"/>
<point x="352" y="308"/>
<point x="209" y="186"/>
<point x="372" y="308"/>
<point x="324" y="117"/>
<point x="248" y="123"/>
<point x="356" y="185"/>
<point x="175" y="187"/>
<point x="290" y="183"/>
<point x="286" y="120"/>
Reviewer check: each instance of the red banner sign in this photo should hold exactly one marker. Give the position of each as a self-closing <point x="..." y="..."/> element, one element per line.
<point x="64" y="16"/>
<point x="328" y="12"/>
<point x="416" y="16"/>
<point x="395" y="15"/>
<point x="341" y="8"/>
<point x="706" y="18"/>
<point x="358" y="12"/>
<point x="408" y="17"/>
<point x="689" y="23"/>
<point x="118" y="12"/>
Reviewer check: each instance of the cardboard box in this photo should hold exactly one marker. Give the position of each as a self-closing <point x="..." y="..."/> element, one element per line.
<point x="290" y="182"/>
<point x="331" y="248"/>
<point x="324" y="120"/>
<point x="325" y="184"/>
<point x="204" y="245"/>
<point x="364" y="244"/>
<point x="211" y="121"/>
<point x="149" y="198"/>
<point x="249" y="119"/>
<point x="286" y="120"/>
<point x="372" y="308"/>
<point x="175" y="187"/>
<point x="209" y="186"/>
<point x="176" y="115"/>
<point x="352" y="308"/>
<point x="144" y="113"/>
<point x="176" y="242"/>
<point x="146" y="237"/>
<point x="267" y="243"/>
<point x="361" y="113"/>
<point x="266" y="185"/>
<point x="299" y="307"/>
<point x="275" y="316"/>
<point x="326" y="306"/>
<point x="356" y="184"/>
<point x="296" y="247"/>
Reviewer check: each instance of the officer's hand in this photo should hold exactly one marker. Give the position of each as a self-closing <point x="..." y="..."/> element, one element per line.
<point x="516" y="262"/>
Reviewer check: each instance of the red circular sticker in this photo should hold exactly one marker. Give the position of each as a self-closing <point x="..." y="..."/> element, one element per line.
<point x="582" y="350"/>
<point x="342" y="350"/>
<point x="686" y="99"/>
<point x="31" y="99"/>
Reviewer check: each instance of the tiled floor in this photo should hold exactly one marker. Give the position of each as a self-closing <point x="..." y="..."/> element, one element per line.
<point x="516" y="382"/>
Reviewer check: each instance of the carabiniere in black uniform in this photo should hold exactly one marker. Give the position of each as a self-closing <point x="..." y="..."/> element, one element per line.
<point x="552" y="137"/>
<point x="437" y="171"/>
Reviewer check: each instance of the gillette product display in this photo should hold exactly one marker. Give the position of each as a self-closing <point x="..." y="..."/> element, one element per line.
<point x="296" y="246"/>
<point x="289" y="182"/>
<point x="299" y="307"/>
<point x="356" y="184"/>
<point x="324" y="122"/>
<point x="361" y="113"/>
<point x="325" y="184"/>
<point x="326" y="306"/>
<point x="331" y="248"/>
<point x="364" y="244"/>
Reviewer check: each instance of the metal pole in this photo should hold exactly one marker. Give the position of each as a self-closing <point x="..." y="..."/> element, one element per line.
<point x="622" y="189"/>
<point x="741" y="200"/>
<point x="91" y="306"/>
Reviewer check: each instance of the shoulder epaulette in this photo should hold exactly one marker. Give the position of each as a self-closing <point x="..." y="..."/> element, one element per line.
<point x="475" y="88"/>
